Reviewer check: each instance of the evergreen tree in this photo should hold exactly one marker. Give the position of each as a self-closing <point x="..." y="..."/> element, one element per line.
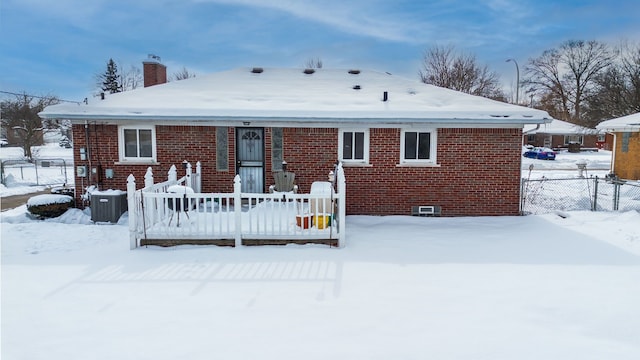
<point x="110" y="79"/>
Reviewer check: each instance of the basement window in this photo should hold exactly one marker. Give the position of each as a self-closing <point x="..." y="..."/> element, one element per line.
<point x="137" y="143"/>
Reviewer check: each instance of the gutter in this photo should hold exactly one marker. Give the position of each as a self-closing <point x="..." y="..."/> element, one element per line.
<point x="297" y="120"/>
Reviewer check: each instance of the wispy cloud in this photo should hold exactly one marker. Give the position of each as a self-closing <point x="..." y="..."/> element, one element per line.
<point x="374" y="19"/>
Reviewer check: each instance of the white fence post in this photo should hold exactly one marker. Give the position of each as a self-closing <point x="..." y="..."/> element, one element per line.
<point x="148" y="178"/>
<point x="237" y="208"/>
<point x="172" y="175"/>
<point x="187" y="180"/>
<point x="342" y="204"/>
<point x="198" y="184"/>
<point x="131" y="199"/>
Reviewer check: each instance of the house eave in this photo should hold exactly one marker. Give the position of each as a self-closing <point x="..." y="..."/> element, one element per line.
<point x="315" y="122"/>
<point x="631" y="128"/>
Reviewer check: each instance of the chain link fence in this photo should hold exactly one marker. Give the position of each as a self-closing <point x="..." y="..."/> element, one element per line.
<point x="540" y="196"/>
<point x="52" y="171"/>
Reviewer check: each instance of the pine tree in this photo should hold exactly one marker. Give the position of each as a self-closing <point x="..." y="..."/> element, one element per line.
<point x="110" y="79"/>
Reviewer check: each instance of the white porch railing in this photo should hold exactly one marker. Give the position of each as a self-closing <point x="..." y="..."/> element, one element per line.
<point x="160" y="212"/>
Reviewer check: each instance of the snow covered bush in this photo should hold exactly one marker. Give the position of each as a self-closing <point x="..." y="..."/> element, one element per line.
<point x="49" y="206"/>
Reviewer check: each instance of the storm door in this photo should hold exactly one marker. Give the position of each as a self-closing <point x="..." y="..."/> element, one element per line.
<point x="250" y="158"/>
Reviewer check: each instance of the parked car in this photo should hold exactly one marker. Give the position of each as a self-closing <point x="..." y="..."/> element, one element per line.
<point x="3" y="142"/>
<point x="542" y="153"/>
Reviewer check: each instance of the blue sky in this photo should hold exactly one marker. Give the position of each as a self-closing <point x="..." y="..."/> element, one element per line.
<point x="58" y="47"/>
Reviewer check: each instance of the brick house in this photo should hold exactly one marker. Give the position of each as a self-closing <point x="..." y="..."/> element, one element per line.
<point x="625" y="130"/>
<point x="559" y="134"/>
<point x="402" y="143"/>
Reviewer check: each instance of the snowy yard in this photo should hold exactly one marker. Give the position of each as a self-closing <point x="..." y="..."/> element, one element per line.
<point x="533" y="287"/>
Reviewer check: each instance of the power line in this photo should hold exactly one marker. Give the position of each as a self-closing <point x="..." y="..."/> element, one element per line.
<point x="38" y="97"/>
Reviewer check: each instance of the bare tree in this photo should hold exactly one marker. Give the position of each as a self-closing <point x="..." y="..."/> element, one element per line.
<point x="21" y="117"/>
<point x="132" y="78"/>
<point x="566" y="73"/>
<point x="313" y="63"/>
<point x="443" y="66"/>
<point x="183" y="74"/>
<point x="617" y="90"/>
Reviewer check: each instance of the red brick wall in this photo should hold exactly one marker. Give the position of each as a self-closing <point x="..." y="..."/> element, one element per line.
<point x="310" y="154"/>
<point x="174" y="144"/>
<point x="153" y="73"/>
<point x="479" y="172"/>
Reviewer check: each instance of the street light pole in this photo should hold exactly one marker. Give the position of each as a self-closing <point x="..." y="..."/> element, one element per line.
<point x="517" y="79"/>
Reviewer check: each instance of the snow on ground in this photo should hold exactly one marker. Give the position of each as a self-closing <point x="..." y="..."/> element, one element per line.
<point x="565" y="165"/>
<point x="534" y="287"/>
<point x="22" y="178"/>
<point x="22" y="181"/>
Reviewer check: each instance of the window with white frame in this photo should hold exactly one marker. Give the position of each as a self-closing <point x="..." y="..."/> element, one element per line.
<point x="137" y="143"/>
<point x="353" y="146"/>
<point x="418" y="146"/>
<point x="573" y="139"/>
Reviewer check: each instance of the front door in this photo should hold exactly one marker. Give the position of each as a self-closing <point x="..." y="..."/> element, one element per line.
<point x="250" y="158"/>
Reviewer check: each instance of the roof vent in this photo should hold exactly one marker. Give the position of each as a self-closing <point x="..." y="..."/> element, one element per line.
<point x="257" y="70"/>
<point x="309" y="71"/>
<point x="356" y="87"/>
<point x="354" y="71"/>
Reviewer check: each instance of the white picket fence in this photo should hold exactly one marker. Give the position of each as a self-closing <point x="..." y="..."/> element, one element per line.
<point x="171" y="211"/>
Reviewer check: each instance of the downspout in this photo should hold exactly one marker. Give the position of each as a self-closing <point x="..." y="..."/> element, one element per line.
<point x="613" y="153"/>
<point x="88" y="172"/>
<point x="520" y="207"/>
<point x="527" y="133"/>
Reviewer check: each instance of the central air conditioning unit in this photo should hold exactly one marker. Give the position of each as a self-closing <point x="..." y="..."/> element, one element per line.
<point x="426" y="210"/>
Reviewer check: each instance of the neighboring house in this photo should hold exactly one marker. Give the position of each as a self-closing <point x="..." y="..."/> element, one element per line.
<point x="13" y="137"/>
<point x="625" y="162"/>
<point x="402" y="143"/>
<point x="560" y="134"/>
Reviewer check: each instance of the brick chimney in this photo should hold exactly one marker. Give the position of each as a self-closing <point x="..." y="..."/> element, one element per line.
<point x="153" y="71"/>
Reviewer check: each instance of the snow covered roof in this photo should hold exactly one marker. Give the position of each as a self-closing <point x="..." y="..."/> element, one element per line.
<point x="293" y="95"/>
<point x="559" y="127"/>
<point x="625" y="123"/>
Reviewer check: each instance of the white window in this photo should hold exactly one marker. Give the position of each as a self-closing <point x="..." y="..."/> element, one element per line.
<point x="573" y="139"/>
<point x="353" y="146"/>
<point x="137" y="143"/>
<point x="418" y="146"/>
